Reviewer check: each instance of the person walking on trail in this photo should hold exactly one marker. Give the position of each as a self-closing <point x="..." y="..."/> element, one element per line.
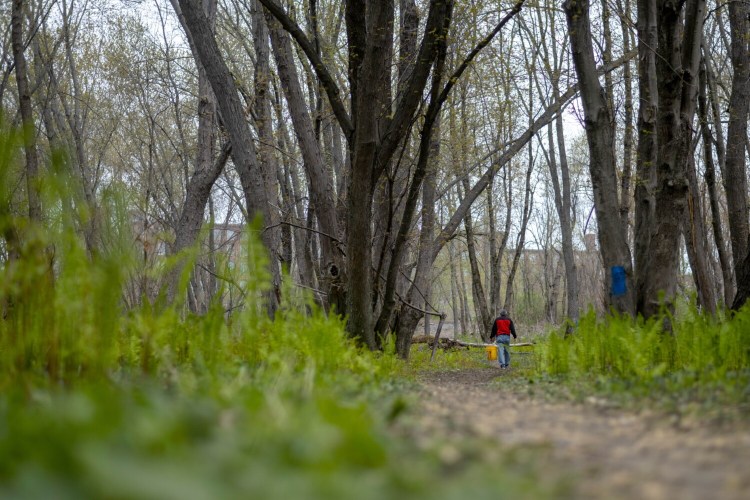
<point x="502" y="329"/>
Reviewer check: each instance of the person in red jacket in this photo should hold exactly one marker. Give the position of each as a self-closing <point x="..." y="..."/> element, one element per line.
<point x="502" y="329"/>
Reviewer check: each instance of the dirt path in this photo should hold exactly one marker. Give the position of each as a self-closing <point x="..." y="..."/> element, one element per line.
<point x="609" y="453"/>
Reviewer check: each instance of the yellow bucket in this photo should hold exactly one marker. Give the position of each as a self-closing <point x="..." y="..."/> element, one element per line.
<point x="491" y="352"/>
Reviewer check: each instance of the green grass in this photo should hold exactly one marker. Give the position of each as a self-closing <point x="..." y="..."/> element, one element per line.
<point x="703" y="365"/>
<point x="101" y="401"/>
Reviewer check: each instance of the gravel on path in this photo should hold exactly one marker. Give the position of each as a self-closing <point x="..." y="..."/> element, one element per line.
<point x="608" y="453"/>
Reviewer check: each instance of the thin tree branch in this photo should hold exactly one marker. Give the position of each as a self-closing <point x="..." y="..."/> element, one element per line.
<point x="333" y="238"/>
<point x="326" y="80"/>
<point x="475" y="51"/>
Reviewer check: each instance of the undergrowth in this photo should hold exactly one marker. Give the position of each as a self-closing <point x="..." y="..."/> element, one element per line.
<point x="102" y="401"/>
<point x="702" y="364"/>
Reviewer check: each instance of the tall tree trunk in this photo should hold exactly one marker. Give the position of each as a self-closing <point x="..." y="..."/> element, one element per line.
<point x="646" y="153"/>
<point x="602" y="165"/>
<point x="711" y="187"/>
<point x="368" y="107"/>
<point x="24" y="104"/>
<point x="480" y="299"/>
<point x="562" y="197"/>
<point x="427" y="150"/>
<point x="696" y="243"/>
<point x="563" y="207"/>
<point x="76" y="120"/>
<point x="520" y="241"/>
<point x="198" y="189"/>
<point x="627" y="145"/>
<point x="409" y="317"/>
<point x="391" y="192"/>
<point x="552" y="275"/>
<point x="320" y="180"/>
<point x="233" y="117"/>
<point x="735" y="180"/>
<point x="456" y="301"/>
<point x="678" y="57"/>
<point x="607" y="59"/>
<point x="295" y="205"/>
<point x="493" y="265"/>
<point x="743" y="284"/>
<point x="465" y="315"/>
<point x="497" y="256"/>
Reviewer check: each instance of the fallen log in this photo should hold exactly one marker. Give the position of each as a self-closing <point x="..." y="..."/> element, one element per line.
<point x="447" y="343"/>
<point x="473" y="344"/>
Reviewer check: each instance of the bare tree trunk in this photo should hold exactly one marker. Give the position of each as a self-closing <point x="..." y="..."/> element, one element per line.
<point x="456" y="301"/>
<point x="320" y="180"/>
<point x="75" y="118"/>
<point x="392" y="190"/>
<point x="368" y="107"/>
<point x="607" y="59"/>
<point x="646" y="153"/>
<point x="427" y="149"/>
<point x="694" y="231"/>
<point x="743" y="284"/>
<point x="243" y="148"/>
<point x="678" y="57"/>
<point x="493" y="271"/>
<point x="480" y="299"/>
<point x="602" y="165"/>
<point x="552" y="275"/>
<point x="735" y="179"/>
<point x="292" y="191"/>
<point x="713" y="195"/>
<point x="563" y="207"/>
<point x="562" y="197"/>
<point x="497" y="256"/>
<point x="198" y="189"/>
<point x="409" y="317"/>
<point x="627" y="146"/>
<point x="24" y="105"/>
<point x="465" y="314"/>
<point x="526" y="214"/>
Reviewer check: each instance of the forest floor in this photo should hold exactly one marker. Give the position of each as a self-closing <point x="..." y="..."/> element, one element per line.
<point x="596" y="450"/>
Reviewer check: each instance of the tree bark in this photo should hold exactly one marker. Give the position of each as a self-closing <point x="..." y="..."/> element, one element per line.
<point x="198" y="189"/>
<point x="694" y="230"/>
<point x="76" y="120"/>
<point x="563" y="207"/>
<point x="646" y="151"/>
<point x="713" y="195"/>
<point x="24" y="105"/>
<point x="498" y="253"/>
<point x="627" y="145"/>
<point x="480" y="299"/>
<point x="678" y="57"/>
<point x="743" y="284"/>
<point x="427" y="149"/>
<point x="233" y="117"/>
<point x="520" y="241"/>
<point x="735" y="180"/>
<point x="602" y="165"/>
<point x="409" y="317"/>
<point x="562" y="197"/>
<point x="320" y="180"/>
<point x="391" y="192"/>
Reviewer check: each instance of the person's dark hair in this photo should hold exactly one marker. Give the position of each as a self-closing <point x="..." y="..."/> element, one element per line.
<point x="503" y="313"/>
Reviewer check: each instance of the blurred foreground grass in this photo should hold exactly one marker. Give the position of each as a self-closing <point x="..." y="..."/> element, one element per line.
<point x="100" y="400"/>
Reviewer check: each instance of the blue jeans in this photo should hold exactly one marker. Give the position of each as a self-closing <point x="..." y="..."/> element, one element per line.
<point x="503" y="354"/>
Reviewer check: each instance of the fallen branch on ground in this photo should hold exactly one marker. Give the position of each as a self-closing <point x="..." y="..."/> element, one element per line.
<point x="446" y="343"/>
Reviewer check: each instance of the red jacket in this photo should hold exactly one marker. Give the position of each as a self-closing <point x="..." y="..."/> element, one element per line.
<point x="503" y="325"/>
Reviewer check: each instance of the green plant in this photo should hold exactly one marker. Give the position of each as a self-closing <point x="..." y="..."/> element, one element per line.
<point x="638" y="357"/>
<point x="99" y="400"/>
